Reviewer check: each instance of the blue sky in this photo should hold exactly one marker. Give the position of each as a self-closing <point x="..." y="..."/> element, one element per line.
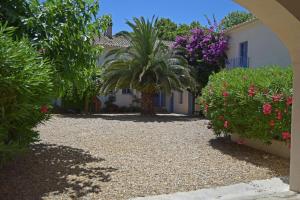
<point x="180" y="11"/>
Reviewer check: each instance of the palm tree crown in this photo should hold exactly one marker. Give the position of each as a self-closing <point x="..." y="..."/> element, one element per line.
<point x="147" y="65"/>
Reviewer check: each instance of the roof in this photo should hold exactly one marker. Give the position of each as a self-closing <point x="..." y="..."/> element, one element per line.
<point x="120" y="42"/>
<point x="251" y="21"/>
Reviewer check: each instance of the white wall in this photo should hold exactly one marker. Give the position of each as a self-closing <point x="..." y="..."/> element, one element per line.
<point x="125" y="99"/>
<point x="184" y="107"/>
<point x="264" y="47"/>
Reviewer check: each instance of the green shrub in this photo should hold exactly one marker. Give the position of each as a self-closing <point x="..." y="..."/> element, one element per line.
<point x="26" y="86"/>
<point x="254" y="103"/>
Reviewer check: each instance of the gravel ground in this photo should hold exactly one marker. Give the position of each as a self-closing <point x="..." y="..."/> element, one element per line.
<point x="114" y="157"/>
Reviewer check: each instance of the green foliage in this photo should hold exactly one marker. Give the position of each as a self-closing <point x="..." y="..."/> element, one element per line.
<point x="25" y="91"/>
<point x="105" y="21"/>
<point x="235" y="18"/>
<point x="147" y="65"/>
<point x="168" y="30"/>
<point x="14" y="13"/>
<point x="254" y="103"/>
<point x="64" y="32"/>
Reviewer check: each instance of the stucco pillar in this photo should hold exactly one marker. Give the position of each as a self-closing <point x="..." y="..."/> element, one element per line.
<point x="295" y="145"/>
<point x="283" y="18"/>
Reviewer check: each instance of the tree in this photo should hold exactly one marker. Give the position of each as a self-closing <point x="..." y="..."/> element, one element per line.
<point x="64" y="32"/>
<point x="26" y="90"/>
<point x="235" y="18"/>
<point x="147" y="65"/>
<point x="204" y="50"/>
<point x="195" y="24"/>
<point x="166" y="29"/>
<point x="13" y="13"/>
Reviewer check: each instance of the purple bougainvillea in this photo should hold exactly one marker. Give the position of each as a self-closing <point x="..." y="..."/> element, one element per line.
<point x="205" y="50"/>
<point x="207" y="45"/>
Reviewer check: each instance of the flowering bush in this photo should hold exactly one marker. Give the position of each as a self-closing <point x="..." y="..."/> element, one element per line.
<point x="205" y="50"/>
<point x="206" y="44"/>
<point x="254" y="103"/>
<point x="25" y="92"/>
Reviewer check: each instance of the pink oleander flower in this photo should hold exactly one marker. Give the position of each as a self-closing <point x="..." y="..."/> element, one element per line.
<point x="272" y="123"/>
<point x="267" y="109"/>
<point x="289" y="101"/>
<point x="286" y="135"/>
<point x="240" y="141"/>
<point x="226" y="124"/>
<point x="44" y="109"/>
<point x="206" y="108"/>
<point x="279" y="115"/>
<point x="225" y="94"/>
<point x="277" y="97"/>
<point x="251" y="91"/>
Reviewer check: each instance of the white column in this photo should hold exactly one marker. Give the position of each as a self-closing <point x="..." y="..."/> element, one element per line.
<point x="295" y="145"/>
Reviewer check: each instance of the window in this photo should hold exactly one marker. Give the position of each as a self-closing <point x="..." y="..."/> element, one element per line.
<point x="180" y="97"/>
<point x="244" y="54"/>
<point x="126" y="91"/>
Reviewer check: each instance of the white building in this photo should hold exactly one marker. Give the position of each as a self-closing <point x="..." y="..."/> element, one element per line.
<point x="252" y="44"/>
<point x="175" y="102"/>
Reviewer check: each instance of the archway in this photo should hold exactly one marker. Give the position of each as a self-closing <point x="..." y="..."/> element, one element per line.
<point x="283" y="17"/>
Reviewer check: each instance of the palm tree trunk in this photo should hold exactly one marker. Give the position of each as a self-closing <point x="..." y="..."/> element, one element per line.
<point x="148" y="103"/>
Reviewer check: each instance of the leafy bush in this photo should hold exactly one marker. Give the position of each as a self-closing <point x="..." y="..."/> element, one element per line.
<point x="254" y="103"/>
<point x="26" y="86"/>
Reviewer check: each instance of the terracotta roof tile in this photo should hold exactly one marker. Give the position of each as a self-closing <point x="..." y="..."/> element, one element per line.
<point x="119" y="41"/>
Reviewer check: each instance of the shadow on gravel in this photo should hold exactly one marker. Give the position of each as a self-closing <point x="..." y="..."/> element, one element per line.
<point x="51" y="169"/>
<point x="279" y="166"/>
<point x="161" y="118"/>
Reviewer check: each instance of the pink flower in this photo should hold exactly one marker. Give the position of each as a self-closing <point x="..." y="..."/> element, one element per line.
<point x="279" y="115"/>
<point x="286" y="136"/>
<point x="251" y="91"/>
<point x="289" y="101"/>
<point x="225" y="94"/>
<point x="267" y="109"/>
<point x="277" y="97"/>
<point x="206" y="108"/>
<point x="240" y="141"/>
<point x="272" y="123"/>
<point x="226" y="124"/>
<point x="44" y="109"/>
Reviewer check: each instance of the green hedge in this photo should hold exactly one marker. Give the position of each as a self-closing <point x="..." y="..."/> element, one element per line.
<point x="25" y="92"/>
<point x="254" y="103"/>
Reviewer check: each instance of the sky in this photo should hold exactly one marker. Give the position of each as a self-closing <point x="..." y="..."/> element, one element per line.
<point x="179" y="11"/>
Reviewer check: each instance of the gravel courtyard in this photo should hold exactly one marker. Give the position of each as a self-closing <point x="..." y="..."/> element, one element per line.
<point x="114" y="157"/>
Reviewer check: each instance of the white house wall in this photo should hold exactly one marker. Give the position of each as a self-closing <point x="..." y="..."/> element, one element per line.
<point x="184" y="107"/>
<point x="264" y="47"/>
<point x="124" y="99"/>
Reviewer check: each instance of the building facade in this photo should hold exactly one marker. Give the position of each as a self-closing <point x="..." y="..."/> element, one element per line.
<point x="180" y="102"/>
<point x="252" y="44"/>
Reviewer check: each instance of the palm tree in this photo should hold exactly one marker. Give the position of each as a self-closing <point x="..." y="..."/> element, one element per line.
<point x="148" y="65"/>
